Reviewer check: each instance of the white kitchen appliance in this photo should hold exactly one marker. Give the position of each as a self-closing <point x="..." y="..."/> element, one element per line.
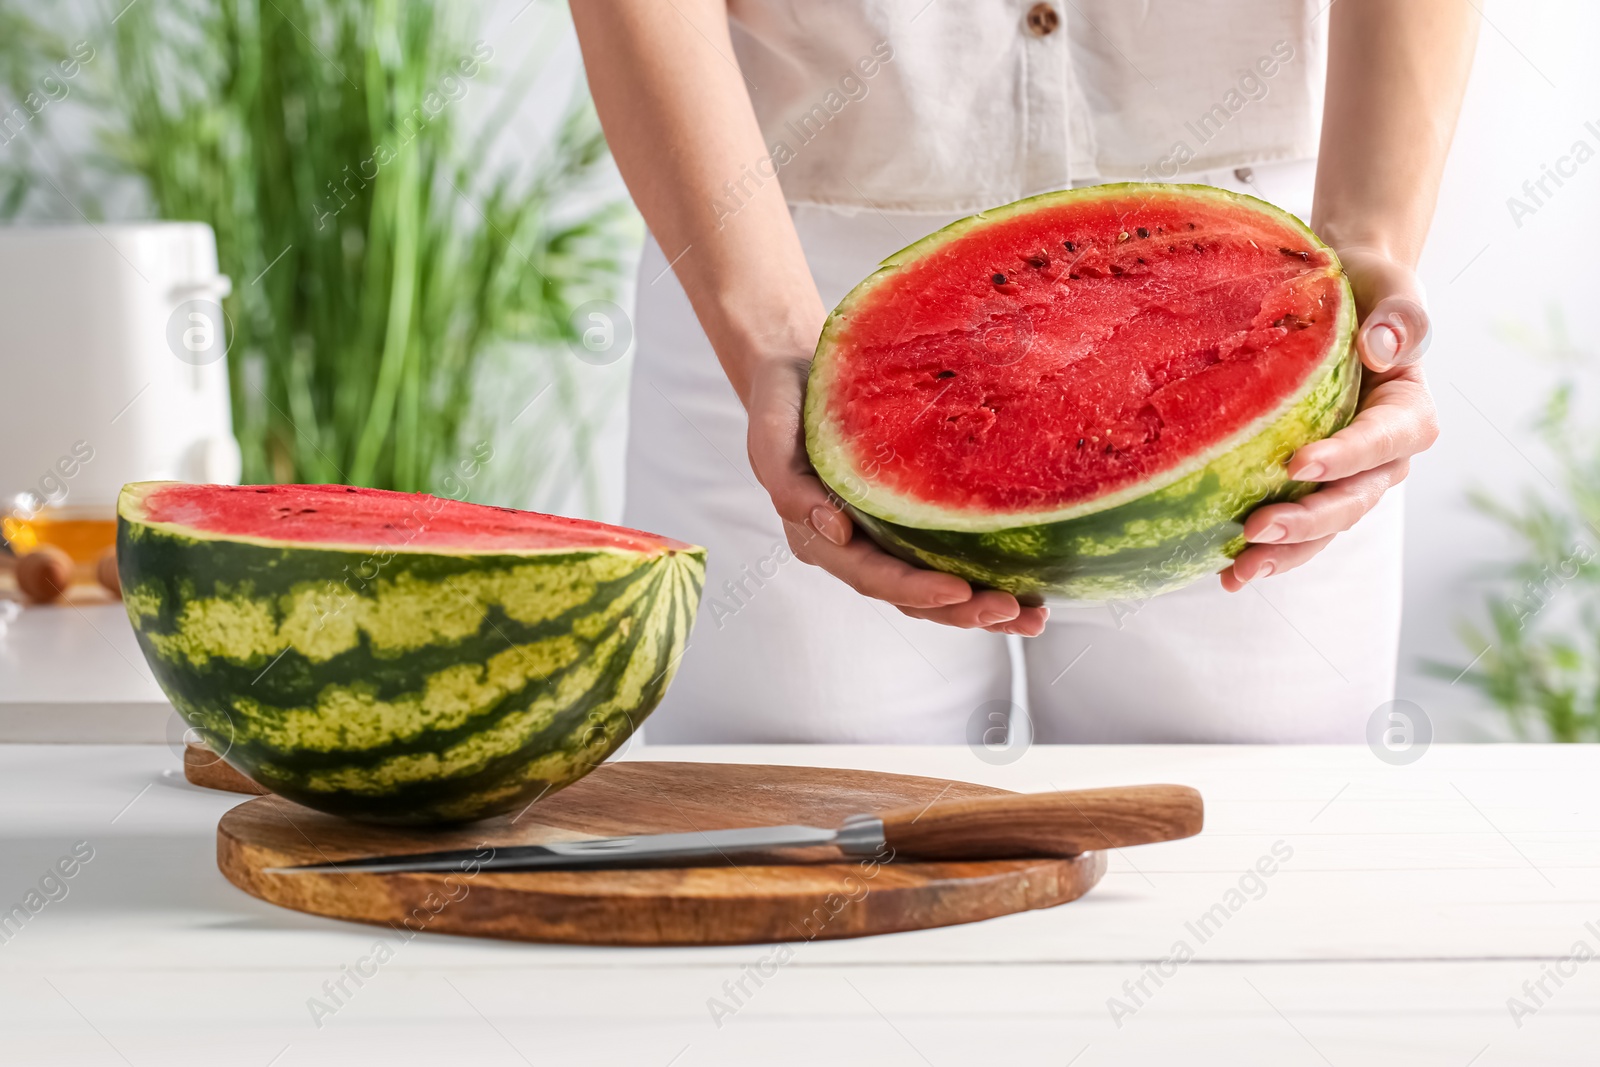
<point x="111" y="359"/>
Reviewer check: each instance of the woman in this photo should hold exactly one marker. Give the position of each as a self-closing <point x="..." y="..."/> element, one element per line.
<point x="779" y="149"/>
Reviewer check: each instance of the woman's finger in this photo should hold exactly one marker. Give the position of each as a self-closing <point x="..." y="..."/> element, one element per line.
<point x="1332" y="509"/>
<point x="1395" y="329"/>
<point x="1396" y="421"/>
<point x="1395" y="334"/>
<point x="802" y="499"/>
<point x="872" y="572"/>
<point x="1028" y="623"/>
<point x="989" y="609"/>
<point x="1263" y="561"/>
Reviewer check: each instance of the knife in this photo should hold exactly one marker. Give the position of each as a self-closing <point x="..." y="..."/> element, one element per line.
<point x="1015" y="826"/>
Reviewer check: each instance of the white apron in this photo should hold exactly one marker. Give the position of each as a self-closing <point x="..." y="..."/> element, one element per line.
<point x="784" y="652"/>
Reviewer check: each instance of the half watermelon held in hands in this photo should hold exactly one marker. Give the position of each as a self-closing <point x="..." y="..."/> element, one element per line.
<point x="1083" y="394"/>
<point x="399" y="657"/>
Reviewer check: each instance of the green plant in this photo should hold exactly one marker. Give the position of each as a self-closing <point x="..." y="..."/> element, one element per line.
<point x="34" y="63"/>
<point x="380" y="247"/>
<point x="1538" y="658"/>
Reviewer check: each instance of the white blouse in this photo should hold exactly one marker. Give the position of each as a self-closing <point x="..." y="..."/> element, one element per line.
<point x="946" y="106"/>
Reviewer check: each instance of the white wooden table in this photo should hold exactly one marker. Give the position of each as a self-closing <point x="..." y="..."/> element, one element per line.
<point x="72" y="671"/>
<point x="1416" y="901"/>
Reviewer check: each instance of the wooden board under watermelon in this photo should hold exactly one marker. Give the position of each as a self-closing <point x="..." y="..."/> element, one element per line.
<point x="758" y="900"/>
<point x="203" y="767"/>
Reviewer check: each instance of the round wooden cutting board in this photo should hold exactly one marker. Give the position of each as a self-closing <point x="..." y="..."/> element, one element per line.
<point x="201" y="766"/>
<point x="757" y="900"/>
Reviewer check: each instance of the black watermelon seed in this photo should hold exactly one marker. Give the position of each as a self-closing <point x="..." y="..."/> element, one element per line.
<point x="1116" y="269"/>
<point x="1110" y="449"/>
<point x="1293" y="252"/>
<point x="1141" y="259"/>
<point x="999" y="279"/>
<point x="1198" y="248"/>
<point x="1070" y="246"/>
<point x="945" y="374"/>
<point x="1191" y="225"/>
<point x="1074" y="277"/>
<point x="1142" y="232"/>
<point x="1080" y="442"/>
<point x="1038" y="262"/>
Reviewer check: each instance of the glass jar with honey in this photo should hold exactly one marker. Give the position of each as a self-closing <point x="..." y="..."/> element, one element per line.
<point x="84" y="533"/>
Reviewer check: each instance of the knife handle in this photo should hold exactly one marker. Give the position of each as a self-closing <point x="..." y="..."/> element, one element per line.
<point x="1044" y="824"/>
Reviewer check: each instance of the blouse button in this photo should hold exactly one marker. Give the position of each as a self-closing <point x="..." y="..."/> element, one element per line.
<point x="1043" y="20"/>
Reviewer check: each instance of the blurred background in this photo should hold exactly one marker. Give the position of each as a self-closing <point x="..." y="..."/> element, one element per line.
<point x="418" y="253"/>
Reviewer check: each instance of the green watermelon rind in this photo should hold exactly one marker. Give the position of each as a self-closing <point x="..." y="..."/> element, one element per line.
<point x="1151" y="538"/>
<point x="436" y="687"/>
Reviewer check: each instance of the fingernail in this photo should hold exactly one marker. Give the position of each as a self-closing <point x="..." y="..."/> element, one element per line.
<point x="944" y="600"/>
<point x="1272" y="533"/>
<point x="990" y="617"/>
<point x="1266" y="570"/>
<point x="1311" y="472"/>
<point x="1383" y="340"/>
<point x="822" y="519"/>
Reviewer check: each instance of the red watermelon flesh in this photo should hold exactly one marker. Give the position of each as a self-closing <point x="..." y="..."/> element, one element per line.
<point x="336" y="514"/>
<point x="1063" y="354"/>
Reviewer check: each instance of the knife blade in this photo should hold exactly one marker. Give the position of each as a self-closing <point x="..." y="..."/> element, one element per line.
<point x="1013" y="826"/>
<point x="609" y="852"/>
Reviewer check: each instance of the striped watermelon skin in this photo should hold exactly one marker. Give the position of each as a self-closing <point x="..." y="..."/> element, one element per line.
<point x="407" y="687"/>
<point x="1145" y="541"/>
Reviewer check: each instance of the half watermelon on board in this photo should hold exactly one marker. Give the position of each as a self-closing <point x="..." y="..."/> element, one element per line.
<point x="400" y="657"/>
<point x="1083" y="394"/>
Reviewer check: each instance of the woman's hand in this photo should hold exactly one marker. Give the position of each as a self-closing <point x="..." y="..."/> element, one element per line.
<point x="821" y="534"/>
<point x="1396" y="74"/>
<point x="680" y="124"/>
<point x="1366" y="459"/>
<point x="658" y="89"/>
